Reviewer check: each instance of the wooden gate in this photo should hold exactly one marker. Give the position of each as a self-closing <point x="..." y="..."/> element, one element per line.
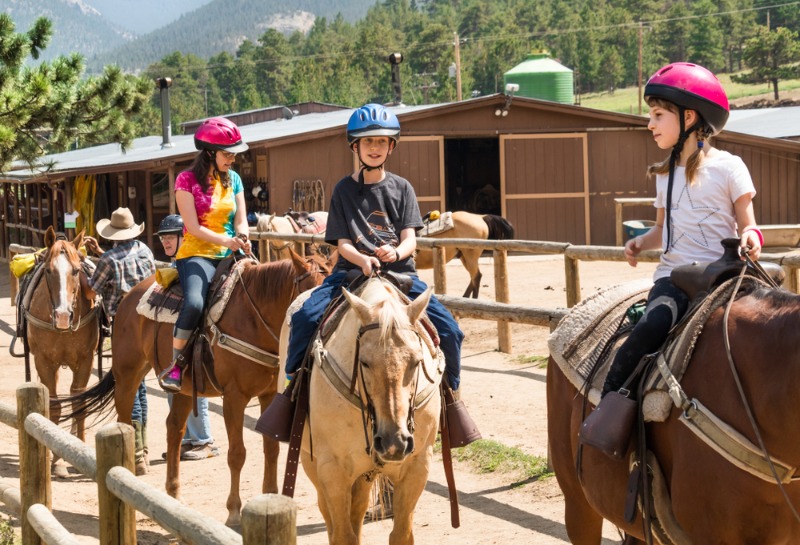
<point x="542" y="206"/>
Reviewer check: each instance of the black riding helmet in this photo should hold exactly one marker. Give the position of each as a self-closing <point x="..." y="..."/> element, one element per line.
<point x="171" y="224"/>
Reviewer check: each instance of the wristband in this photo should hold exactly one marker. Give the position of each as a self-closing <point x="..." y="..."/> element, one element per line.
<point x="757" y="231"/>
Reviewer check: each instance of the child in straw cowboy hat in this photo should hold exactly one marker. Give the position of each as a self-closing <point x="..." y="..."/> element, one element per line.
<point x="118" y="271"/>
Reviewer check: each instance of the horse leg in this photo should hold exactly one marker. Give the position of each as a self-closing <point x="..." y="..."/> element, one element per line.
<point x="233" y="406"/>
<point x="271" y="452"/>
<point x="176" y="427"/>
<point x="80" y="378"/>
<point x="406" y="495"/>
<point x="361" y="493"/>
<point x="336" y="496"/>
<point x="469" y="258"/>
<point x="48" y="374"/>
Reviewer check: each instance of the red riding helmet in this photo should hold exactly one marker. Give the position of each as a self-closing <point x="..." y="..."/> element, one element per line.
<point x="219" y="134"/>
<point x="692" y="87"/>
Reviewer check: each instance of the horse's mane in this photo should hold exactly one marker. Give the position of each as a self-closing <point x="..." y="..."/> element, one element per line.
<point x="389" y="313"/>
<point x="776" y="298"/>
<point x="66" y="247"/>
<point x="270" y="280"/>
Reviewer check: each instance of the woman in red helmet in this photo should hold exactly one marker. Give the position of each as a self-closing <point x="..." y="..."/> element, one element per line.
<point x="211" y="202"/>
<point x="703" y="195"/>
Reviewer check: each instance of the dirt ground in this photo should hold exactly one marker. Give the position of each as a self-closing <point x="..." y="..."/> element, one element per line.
<point x="505" y="396"/>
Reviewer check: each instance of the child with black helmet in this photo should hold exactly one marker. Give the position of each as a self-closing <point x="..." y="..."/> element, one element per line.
<point x="197" y="443"/>
<point x="373" y="219"/>
<point x="703" y="195"/>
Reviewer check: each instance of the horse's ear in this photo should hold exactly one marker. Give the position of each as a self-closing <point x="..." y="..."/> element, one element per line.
<point x="298" y="261"/>
<point x="78" y="240"/>
<point x="49" y="236"/>
<point x="418" y="305"/>
<point x="361" y="307"/>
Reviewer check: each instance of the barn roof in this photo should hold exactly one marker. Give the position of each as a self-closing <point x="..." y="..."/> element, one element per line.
<point x="146" y="152"/>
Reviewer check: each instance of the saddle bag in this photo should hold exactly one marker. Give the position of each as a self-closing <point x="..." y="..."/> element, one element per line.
<point x="610" y="425"/>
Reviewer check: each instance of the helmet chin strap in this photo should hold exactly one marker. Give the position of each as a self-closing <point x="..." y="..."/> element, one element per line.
<point x="674" y="156"/>
<point x="365" y="166"/>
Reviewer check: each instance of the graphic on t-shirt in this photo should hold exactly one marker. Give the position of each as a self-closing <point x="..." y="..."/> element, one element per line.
<point x="685" y="201"/>
<point x="381" y="230"/>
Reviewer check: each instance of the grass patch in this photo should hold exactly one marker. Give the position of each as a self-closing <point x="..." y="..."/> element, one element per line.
<point x="538" y="361"/>
<point x="488" y="456"/>
<point x="626" y="100"/>
<point x="7" y="534"/>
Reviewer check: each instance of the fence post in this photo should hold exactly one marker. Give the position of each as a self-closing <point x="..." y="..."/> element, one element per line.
<point x="114" y="444"/>
<point x="501" y="296"/>
<point x="34" y="458"/>
<point x="269" y="519"/>
<point x="573" y="279"/>
<point x="439" y="274"/>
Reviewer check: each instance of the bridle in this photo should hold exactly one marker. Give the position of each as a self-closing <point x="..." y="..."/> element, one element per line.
<point x="367" y="407"/>
<point x="83" y="320"/>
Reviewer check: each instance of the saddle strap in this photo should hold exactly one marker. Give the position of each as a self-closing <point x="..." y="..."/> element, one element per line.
<point x="244" y="349"/>
<point x="447" y="460"/>
<point x="296" y="439"/>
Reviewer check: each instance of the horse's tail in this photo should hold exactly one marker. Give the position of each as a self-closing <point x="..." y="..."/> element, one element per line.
<point x="97" y="400"/>
<point x="499" y="227"/>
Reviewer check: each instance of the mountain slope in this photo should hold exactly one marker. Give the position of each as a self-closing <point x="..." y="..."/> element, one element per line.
<point x="77" y="26"/>
<point x="143" y="16"/>
<point x="222" y="25"/>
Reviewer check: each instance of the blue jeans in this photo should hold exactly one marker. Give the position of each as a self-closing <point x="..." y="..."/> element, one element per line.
<point x="307" y="318"/>
<point x="198" y="428"/>
<point x="139" y="413"/>
<point x="195" y="274"/>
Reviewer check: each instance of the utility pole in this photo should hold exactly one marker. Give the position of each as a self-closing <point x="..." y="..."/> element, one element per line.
<point x="640" y="68"/>
<point x="458" y="67"/>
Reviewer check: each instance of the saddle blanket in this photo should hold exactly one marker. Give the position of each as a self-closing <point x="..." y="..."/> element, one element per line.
<point x="161" y="305"/>
<point x="580" y="338"/>
<point x="440" y="225"/>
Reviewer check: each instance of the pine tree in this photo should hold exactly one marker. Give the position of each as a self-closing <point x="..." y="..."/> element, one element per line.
<point x="48" y="107"/>
<point x="771" y="56"/>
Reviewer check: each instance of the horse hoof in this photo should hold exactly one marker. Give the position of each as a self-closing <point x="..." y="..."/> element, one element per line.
<point x="60" y="471"/>
<point x="234" y="522"/>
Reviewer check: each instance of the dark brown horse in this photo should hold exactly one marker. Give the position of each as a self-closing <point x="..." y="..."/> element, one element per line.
<point x="712" y="500"/>
<point x="254" y="315"/>
<point x="61" y="324"/>
<point x="468" y="225"/>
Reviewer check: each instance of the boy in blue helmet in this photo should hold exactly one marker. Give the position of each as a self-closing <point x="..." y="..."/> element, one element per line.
<point x="373" y="219"/>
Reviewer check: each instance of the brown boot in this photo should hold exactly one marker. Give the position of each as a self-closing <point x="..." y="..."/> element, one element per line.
<point x="462" y="430"/>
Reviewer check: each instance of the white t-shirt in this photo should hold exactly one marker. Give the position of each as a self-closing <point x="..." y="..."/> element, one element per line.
<point x="702" y="213"/>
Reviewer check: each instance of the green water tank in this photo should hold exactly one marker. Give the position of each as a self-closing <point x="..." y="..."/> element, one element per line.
<point x="541" y="77"/>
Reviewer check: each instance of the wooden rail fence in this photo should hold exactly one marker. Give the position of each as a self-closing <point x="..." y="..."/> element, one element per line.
<point x="119" y="492"/>
<point x="501" y="311"/>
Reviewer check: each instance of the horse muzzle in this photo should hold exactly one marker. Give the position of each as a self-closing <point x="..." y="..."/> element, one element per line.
<point x="394" y="447"/>
<point x="62" y="319"/>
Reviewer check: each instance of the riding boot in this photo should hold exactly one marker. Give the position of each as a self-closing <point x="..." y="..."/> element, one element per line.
<point x="462" y="430"/>
<point x="139" y="456"/>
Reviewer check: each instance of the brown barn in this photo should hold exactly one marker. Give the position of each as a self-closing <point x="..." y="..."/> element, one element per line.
<point x="553" y="170"/>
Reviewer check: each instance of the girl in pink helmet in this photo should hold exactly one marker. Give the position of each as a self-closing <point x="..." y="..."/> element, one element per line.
<point x="211" y="202"/>
<point x="703" y="195"/>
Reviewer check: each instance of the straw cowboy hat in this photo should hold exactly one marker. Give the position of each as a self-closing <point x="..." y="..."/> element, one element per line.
<point x="120" y="226"/>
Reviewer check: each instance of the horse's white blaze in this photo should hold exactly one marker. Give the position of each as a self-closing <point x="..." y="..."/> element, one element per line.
<point x="62" y="304"/>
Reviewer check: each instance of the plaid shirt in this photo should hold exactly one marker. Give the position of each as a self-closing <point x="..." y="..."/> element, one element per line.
<point x="119" y="270"/>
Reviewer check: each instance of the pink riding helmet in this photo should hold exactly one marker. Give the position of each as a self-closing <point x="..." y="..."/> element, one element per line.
<point x="692" y="87"/>
<point x="219" y="134"/>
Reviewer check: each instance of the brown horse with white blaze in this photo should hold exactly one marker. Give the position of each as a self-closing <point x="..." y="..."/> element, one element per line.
<point x="468" y="225"/>
<point x="712" y="500"/>
<point x="62" y="327"/>
<point x="253" y="315"/>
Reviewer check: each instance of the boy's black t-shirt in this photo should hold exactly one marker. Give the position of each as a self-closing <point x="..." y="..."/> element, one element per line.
<point x="373" y="218"/>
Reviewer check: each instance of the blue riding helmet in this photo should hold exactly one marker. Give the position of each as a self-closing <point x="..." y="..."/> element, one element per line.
<point x="372" y="120"/>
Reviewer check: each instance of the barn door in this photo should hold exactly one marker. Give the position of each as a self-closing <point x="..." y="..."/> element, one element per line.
<point x="420" y="160"/>
<point x="544" y="186"/>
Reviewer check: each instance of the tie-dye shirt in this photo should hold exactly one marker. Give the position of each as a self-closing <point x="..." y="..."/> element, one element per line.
<point x="216" y="209"/>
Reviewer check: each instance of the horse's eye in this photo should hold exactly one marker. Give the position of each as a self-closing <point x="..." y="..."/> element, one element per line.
<point x="364" y="364"/>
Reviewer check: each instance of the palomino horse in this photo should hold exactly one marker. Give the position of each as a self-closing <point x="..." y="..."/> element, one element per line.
<point x="274" y="223"/>
<point x="253" y="315"/>
<point x="468" y="225"/>
<point x="386" y="425"/>
<point x="62" y="327"/>
<point x="748" y="361"/>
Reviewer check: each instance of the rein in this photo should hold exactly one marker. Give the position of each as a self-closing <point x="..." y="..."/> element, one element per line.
<point x="740" y="388"/>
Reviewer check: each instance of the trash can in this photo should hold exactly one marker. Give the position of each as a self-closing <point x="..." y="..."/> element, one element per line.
<point x="634" y="228"/>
